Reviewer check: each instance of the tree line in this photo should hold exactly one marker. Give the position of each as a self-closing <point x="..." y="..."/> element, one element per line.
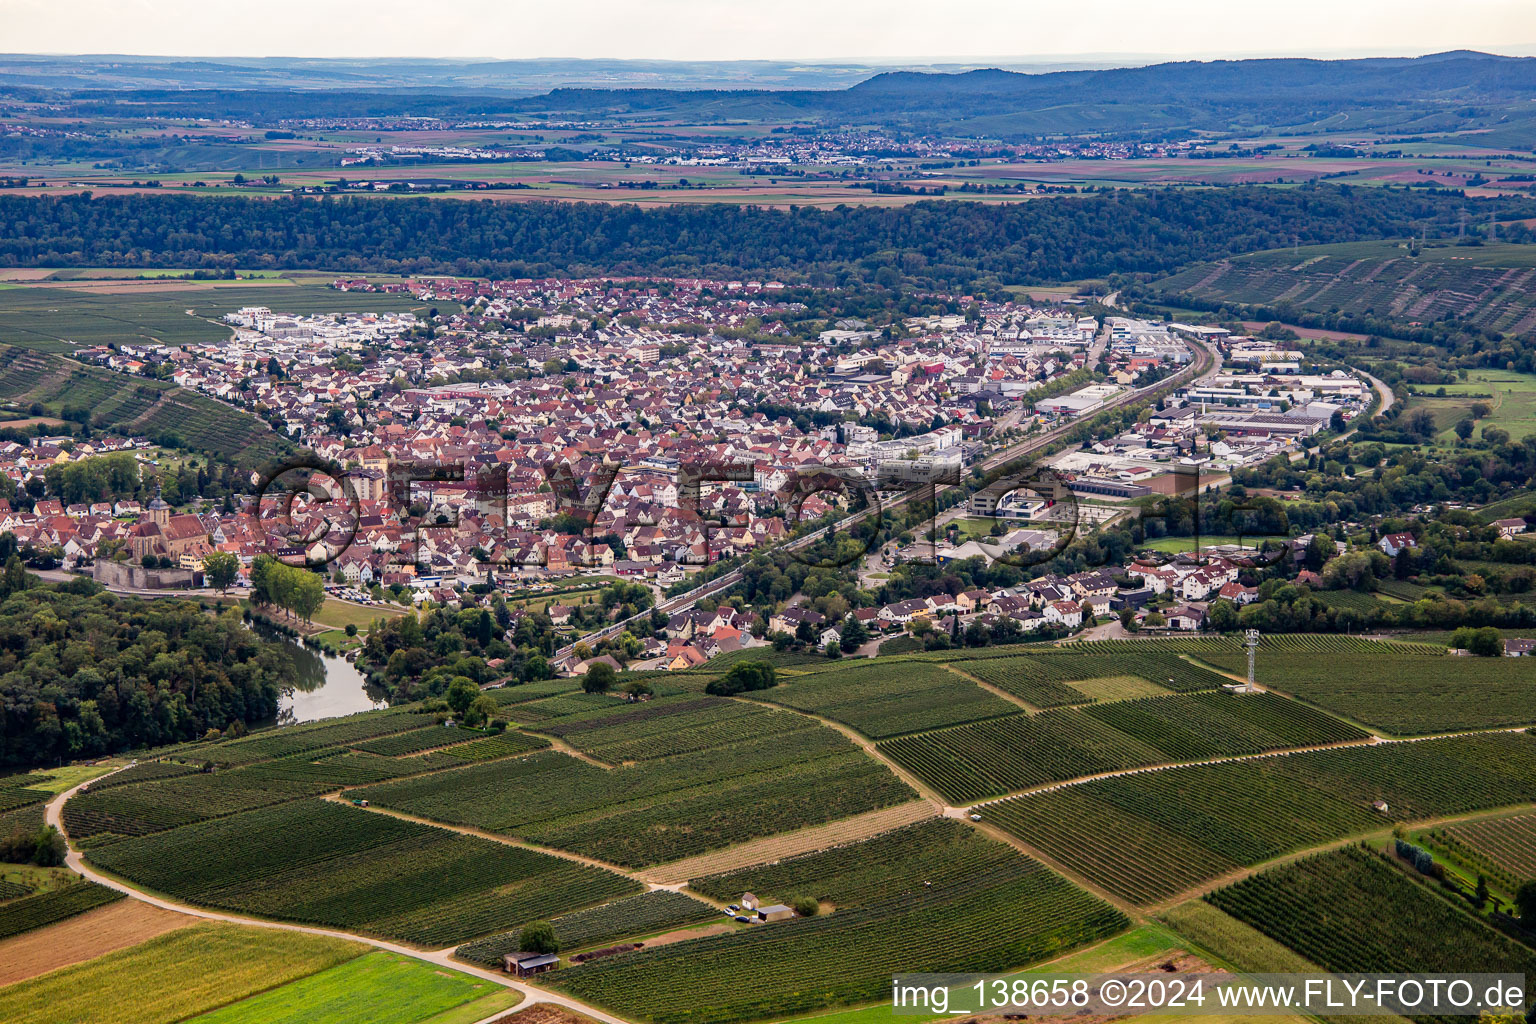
<point x="298" y="591"/>
<point x="84" y="673"/>
<point x="948" y="244"/>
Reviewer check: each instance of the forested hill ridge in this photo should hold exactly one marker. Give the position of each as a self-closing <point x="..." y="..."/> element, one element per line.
<point x="948" y="244"/>
<point x="1438" y="93"/>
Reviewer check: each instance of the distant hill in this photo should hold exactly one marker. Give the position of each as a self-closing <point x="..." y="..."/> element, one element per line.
<point x="1420" y="96"/>
<point x="1437" y="93"/>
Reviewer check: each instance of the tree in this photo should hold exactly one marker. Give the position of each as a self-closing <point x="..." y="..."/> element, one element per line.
<point x="1525" y="902"/>
<point x="51" y="848"/>
<point x="638" y="688"/>
<point x="538" y="937"/>
<point x="1486" y="643"/>
<point x="461" y="694"/>
<point x="805" y="906"/>
<point x="743" y="677"/>
<point x="1464" y="428"/>
<point x="854" y="635"/>
<point x="1223" y="615"/>
<point x="481" y="710"/>
<point x="599" y="677"/>
<point x="222" y="569"/>
<point x="15" y="579"/>
<point x="1420" y="422"/>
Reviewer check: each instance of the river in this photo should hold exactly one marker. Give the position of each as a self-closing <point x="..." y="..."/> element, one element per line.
<point x="324" y="685"/>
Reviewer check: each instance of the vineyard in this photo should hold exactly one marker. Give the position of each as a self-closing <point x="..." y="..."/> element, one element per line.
<point x="1151" y="835"/>
<point x="1006" y="912"/>
<point x="299" y="739"/>
<point x="1043" y="679"/>
<point x="29" y="912"/>
<point x="134" y="405"/>
<point x="326" y="864"/>
<point x="1350" y="911"/>
<point x="624" y="732"/>
<point x="888" y="698"/>
<point x="1407" y="694"/>
<point x="1506" y="845"/>
<point x="644" y="914"/>
<point x="662" y="808"/>
<point x="891" y="865"/>
<point x="15" y="791"/>
<point x="1008" y="754"/>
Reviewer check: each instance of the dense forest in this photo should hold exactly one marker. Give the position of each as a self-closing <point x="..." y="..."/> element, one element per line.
<point x="85" y="673"/>
<point x="941" y="244"/>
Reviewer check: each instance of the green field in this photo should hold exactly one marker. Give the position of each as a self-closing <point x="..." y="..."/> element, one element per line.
<point x="379" y="988"/>
<point x="173" y="977"/>
<point x="1512" y="396"/>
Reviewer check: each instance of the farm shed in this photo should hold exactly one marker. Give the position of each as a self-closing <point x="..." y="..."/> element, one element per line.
<point x="748" y="901"/>
<point x="524" y="964"/>
<point x="777" y="912"/>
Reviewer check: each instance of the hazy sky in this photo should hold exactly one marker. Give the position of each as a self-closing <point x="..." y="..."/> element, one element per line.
<point x="736" y="29"/>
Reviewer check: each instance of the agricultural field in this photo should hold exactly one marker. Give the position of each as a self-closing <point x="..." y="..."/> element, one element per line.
<point x="1403" y="693"/>
<point x="1149" y="836"/>
<point x="1352" y="911"/>
<point x="1044" y="678"/>
<point x="991" y="910"/>
<point x="106" y="929"/>
<point x="323" y="863"/>
<point x="644" y="914"/>
<point x="133" y="405"/>
<point x="1505" y="847"/>
<point x="1008" y="754"/>
<point x="1487" y="286"/>
<point x="888" y="698"/>
<point x="64" y="316"/>
<point x="153" y="806"/>
<point x="173" y="977"/>
<point x="660" y="809"/>
<point x="21" y="912"/>
<point x="1511" y="394"/>
<point x="624" y="732"/>
<point x="379" y="988"/>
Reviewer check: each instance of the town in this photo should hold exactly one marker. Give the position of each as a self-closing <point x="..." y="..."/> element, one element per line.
<point x="570" y="415"/>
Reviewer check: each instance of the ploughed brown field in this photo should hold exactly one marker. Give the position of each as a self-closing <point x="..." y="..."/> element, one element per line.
<point x="89" y="935"/>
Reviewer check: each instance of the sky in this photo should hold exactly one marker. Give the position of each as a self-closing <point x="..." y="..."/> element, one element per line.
<point x="808" y="30"/>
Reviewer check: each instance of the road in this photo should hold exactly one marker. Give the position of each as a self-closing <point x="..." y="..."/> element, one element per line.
<point x="53" y="814"/>
<point x="1388" y="399"/>
<point x="1208" y="361"/>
